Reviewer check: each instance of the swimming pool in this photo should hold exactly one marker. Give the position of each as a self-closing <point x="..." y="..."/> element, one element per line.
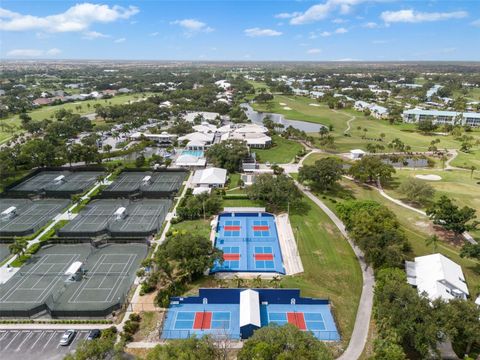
<point x="197" y="153"/>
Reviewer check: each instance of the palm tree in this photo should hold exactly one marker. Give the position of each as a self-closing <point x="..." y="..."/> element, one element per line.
<point x="257" y="282"/>
<point x="432" y="240"/>
<point x="238" y="281"/>
<point x="275" y="281"/>
<point x="472" y="169"/>
<point x="18" y="247"/>
<point x="443" y="159"/>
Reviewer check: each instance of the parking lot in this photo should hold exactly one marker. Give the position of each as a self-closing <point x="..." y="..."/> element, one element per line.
<point x="36" y="344"/>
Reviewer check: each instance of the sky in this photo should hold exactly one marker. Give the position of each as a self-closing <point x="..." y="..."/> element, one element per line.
<point x="241" y="30"/>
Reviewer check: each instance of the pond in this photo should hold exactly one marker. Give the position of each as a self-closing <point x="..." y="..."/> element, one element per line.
<point x="257" y="118"/>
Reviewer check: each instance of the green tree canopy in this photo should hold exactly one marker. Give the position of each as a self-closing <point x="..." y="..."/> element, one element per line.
<point x="417" y="190"/>
<point x="283" y="343"/>
<point x="445" y="213"/>
<point x="228" y="154"/>
<point x="371" y="168"/>
<point x="323" y="174"/>
<point x="376" y="231"/>
<point x="186" y="349"/>
<point x="276" y="191"/>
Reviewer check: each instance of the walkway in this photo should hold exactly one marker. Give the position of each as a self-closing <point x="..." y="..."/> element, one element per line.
<point x="364" y="312"/>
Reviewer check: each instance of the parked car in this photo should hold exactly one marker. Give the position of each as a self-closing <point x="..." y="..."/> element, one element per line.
<point x="93" y="334"/>
<point x="67" y="337"/>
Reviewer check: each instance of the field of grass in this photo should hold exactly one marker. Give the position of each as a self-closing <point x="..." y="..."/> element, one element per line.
<point x="46" y="112"/>
<point x="331" y="268"/>
<point x="283" y="151"/>
<point x="466" y="160"/>
<point x="417" y="228"/>
<point x="461" y="186"/>
<point x="201" y="227"/>
<point x="302" y="110"/>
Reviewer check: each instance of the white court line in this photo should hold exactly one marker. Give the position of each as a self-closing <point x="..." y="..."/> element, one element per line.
<point x="17" y="333"/>
<point x="23" y="341"/>
<point x="119" y="279"/>
<point x="51" y="337"/>
<point x="105" y="278"/>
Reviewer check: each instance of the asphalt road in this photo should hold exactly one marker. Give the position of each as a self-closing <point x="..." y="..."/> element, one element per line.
<point x="36" y="344"/>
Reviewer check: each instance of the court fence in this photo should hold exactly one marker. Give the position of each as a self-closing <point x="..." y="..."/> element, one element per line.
<point x="53" y="307"/>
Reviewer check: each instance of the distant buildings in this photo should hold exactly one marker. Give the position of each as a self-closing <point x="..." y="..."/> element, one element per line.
<point x="376" y="111"/>
<point x="442" y="117"/>
<point x="437" y="277"/>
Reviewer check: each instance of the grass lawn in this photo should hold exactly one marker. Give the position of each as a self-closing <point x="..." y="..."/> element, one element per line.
<point x="458" y="185"/>
<point x="466" y="160"/>
<point x="417" y="228"/>
<point x="283" y="151"/>
<point x="201" y="227"/>
<point x="46" y="112"/>
<point x="331" y="268"/>
<point x="302" y="110"/>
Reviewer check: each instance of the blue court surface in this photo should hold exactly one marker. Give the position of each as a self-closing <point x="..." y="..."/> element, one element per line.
<point x="237" y="313"/>
<point x="317" y="319"/>
<point x="197" y="153"/>
<point x="185" y="320"/>
<point x="249" y="242"/>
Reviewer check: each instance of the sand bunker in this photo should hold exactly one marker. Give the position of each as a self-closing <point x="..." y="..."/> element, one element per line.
<point x="429" y="177"/>
<point x="286" y="108"/>
<point x="282" y="104"/>
<point x="314" y="105"/>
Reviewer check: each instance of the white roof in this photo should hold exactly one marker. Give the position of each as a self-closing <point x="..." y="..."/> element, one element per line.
<point x="201" y="189"/>
<point x="120" y="211"/>
<point x="439" y="277"/>
<point x="147" y="178"/>
<point x="251" y="128"/>
<point x="195" y="143"/>
<point x="211" y="176"/>
<point x="249" y="138"/>
<point x="190" y="116"/>
<point x="73" y="269"/>
<point x="249" y="308"/>
<point x="205" y="128"/>
<point x="197" y="136"/>
<point x="357" y="151"/>
<point x="59" y="178"/>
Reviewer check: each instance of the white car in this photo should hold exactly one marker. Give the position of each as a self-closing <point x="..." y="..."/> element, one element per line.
<point x="67" y="337"/>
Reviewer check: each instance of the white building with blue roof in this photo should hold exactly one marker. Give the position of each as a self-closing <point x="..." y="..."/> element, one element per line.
<point x="441" y="117"/>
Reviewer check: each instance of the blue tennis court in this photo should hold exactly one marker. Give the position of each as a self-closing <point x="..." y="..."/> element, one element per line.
<point x="249" y="242"/>
<point x="185" y="320"/>
<point x="317" y="318"/>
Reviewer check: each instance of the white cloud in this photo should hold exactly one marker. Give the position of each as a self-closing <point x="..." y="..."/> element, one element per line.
<point x="339" y="21"/>
<point x="313" y="51"/>
<point x="53" y="52"/>
<point x="77" y="18"/>
<point x="287" y="15"/>
<point x="325" y="34"/>
<point x="156" y="33"/>
<point x="321" y="11"/>
<point x="476" y="23"/>
<point x="192" y="26"/>
<point x="412" y="16"/>
<point x="341" y="31"/>
<point x="380" y="42"/>
<point x="90" y="35"/>
<point x="32" y="53"/>
<point x="370" y="25"/>
<point x="257" y="32"/>
<point x="119" y="40"/>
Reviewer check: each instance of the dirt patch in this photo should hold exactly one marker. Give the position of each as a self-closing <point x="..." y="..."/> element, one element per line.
<point x="145" y="303"/>
<point x="282" y="104"/>
<point x="316" y="105"/>
<point x="287" y="108"/>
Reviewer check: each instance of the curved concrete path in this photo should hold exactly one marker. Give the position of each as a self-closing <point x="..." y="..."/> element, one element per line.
<point x="364" y="311"/>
